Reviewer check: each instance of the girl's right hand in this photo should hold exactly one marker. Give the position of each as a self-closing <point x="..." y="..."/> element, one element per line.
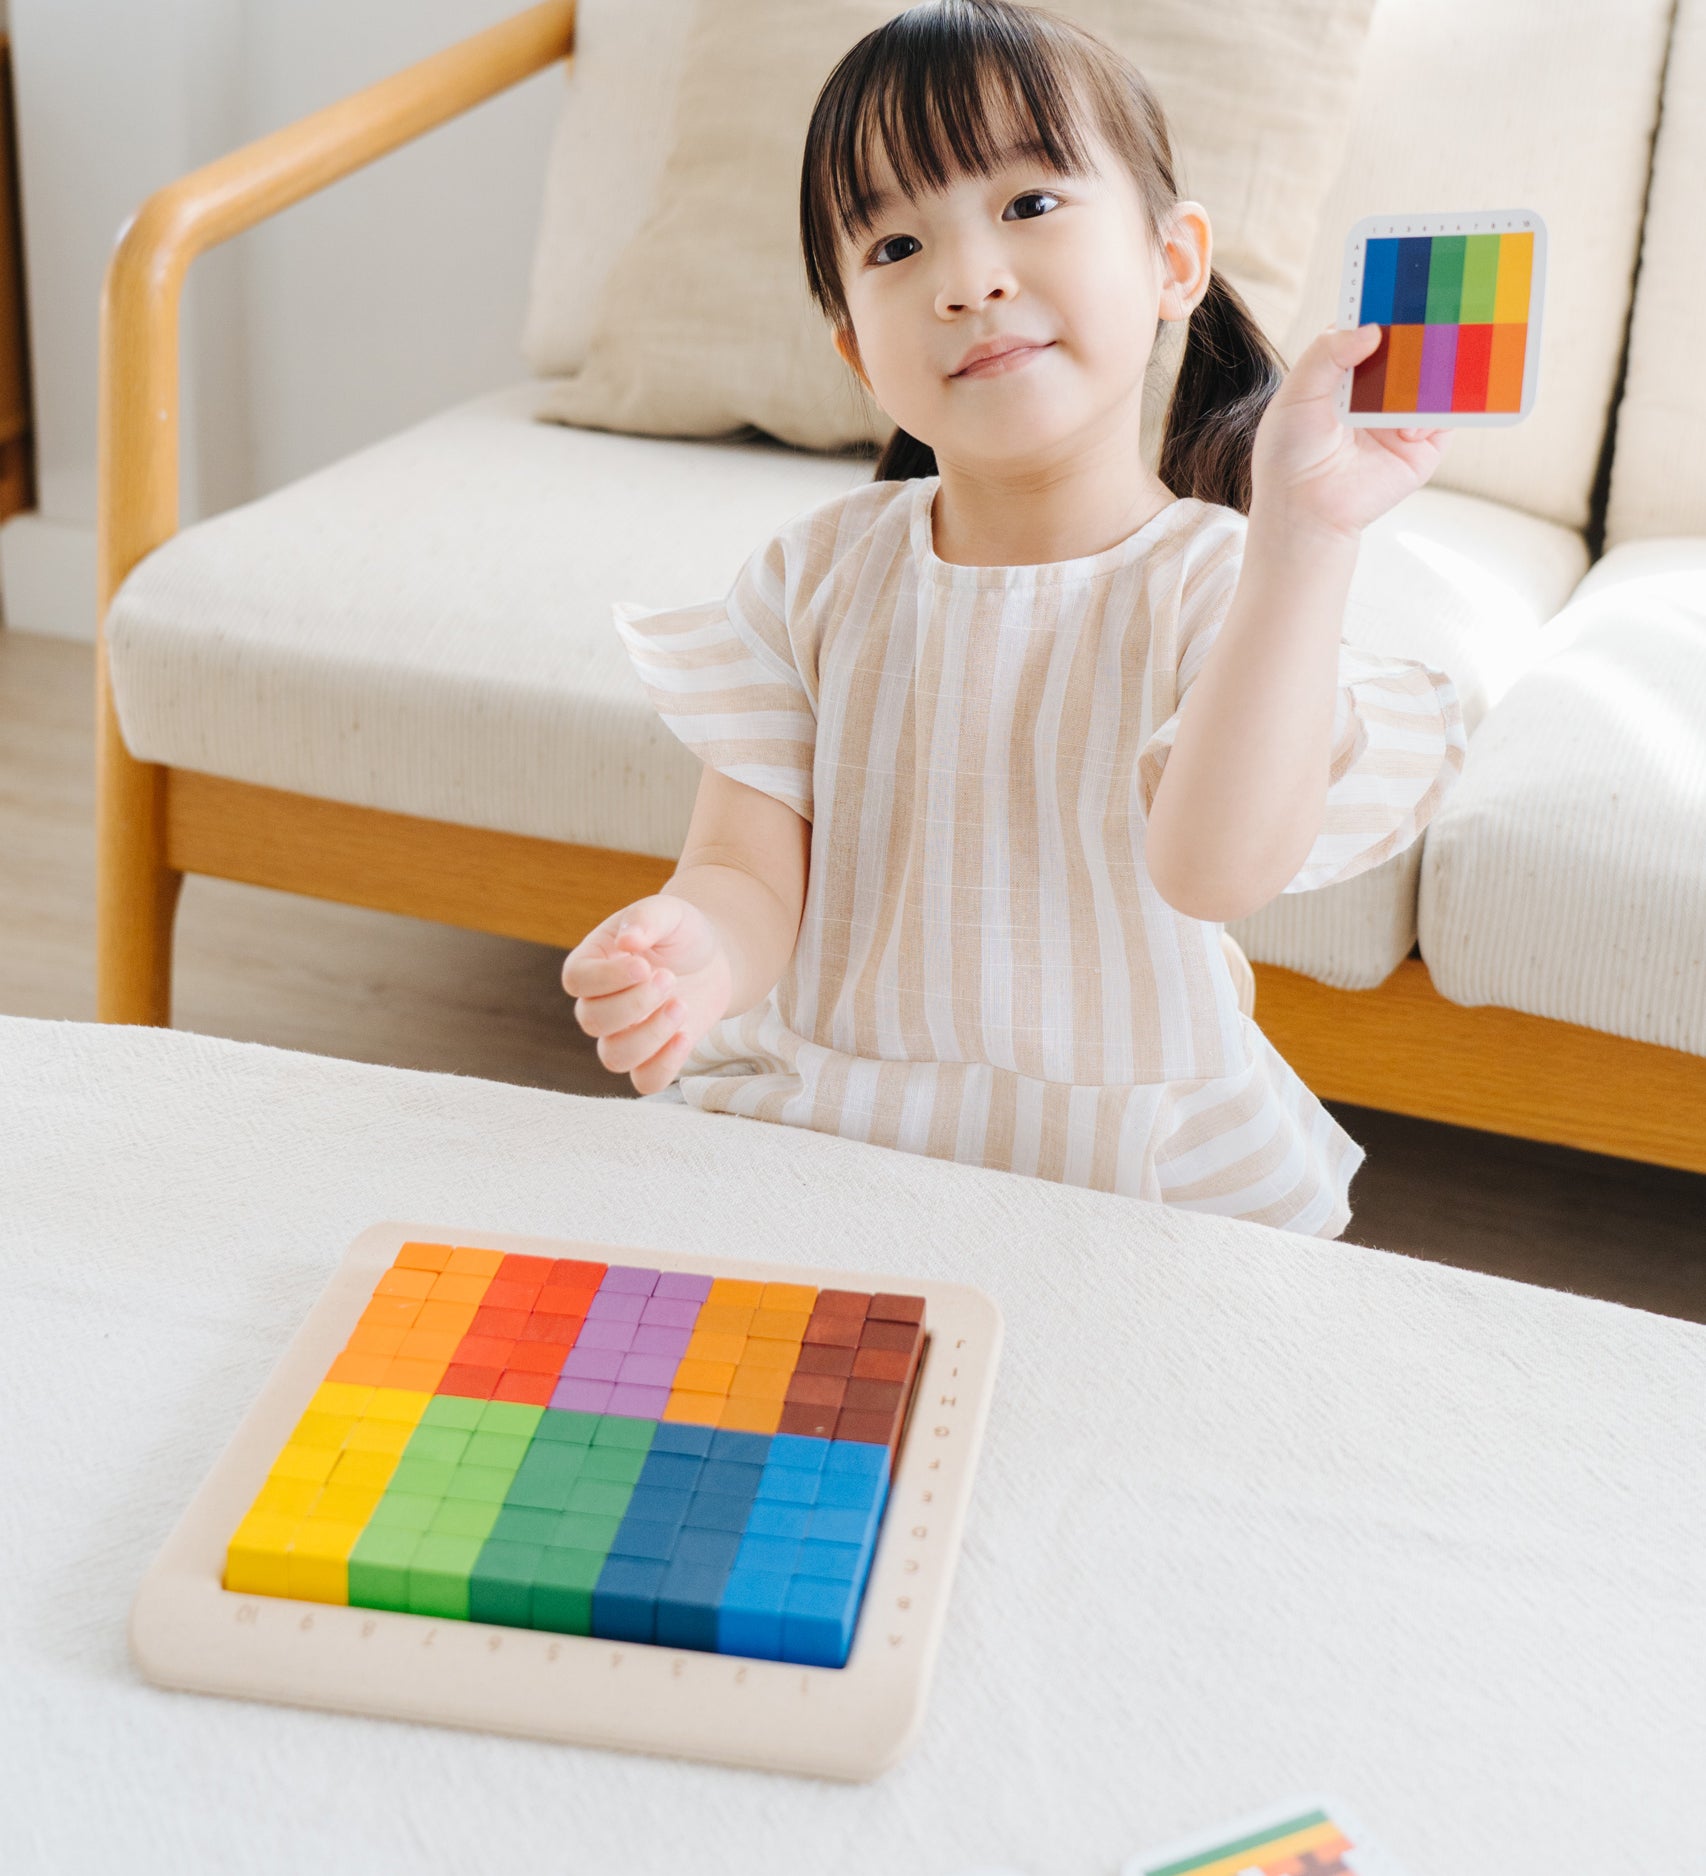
<point x="648" y="983"/>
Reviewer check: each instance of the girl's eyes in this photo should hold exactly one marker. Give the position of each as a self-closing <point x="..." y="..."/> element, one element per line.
<point x="1030" y="195"/>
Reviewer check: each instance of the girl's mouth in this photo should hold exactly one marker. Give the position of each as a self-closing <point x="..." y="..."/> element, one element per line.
<point x="1004" y="362"/>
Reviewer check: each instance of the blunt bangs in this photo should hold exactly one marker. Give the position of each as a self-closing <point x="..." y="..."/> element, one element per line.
<point x="945" y="92"/>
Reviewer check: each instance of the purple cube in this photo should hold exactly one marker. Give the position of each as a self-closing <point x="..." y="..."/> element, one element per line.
<point x="674" y="1312"/>
<point x="683" y="1286"/>
<point x="616" y="1306"/>
<point x="597" y="1333"/>
<point x="649" y="1370"/>
<point x="594" y="1364"/>
<point x="630" y="1278"/>
<point x="651" y="1340"/>
<point x="590" y="1397"/>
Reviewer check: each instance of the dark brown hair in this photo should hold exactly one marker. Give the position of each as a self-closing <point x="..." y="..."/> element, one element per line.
<point x="939" y="87"/>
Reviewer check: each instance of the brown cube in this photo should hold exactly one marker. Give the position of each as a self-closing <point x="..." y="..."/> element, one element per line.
<point x="842" y="1303"/>
<point x="833" y="1331"/>
<point x="882" y="1364"/>
<point x="893" y="1335"/>
<point x="854" y="1424"/>
<point x="876" y="1396"/>
<point x="887" y="1307"/>
<point x="818" y="1358"/>
<point x="817" y="1390"/>
<point x="814" y="1422"/>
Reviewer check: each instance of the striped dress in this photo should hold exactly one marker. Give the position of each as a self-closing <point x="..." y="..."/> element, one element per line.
<point x="984" y="971"/>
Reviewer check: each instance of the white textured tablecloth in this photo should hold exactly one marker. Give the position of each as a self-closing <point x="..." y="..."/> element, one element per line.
<point x="1256" y="1514"/>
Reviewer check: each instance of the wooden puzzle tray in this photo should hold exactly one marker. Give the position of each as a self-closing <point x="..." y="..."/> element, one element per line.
<point x="592" y="1493"/>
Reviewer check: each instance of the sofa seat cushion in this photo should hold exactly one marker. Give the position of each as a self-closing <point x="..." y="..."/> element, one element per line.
<point x="1566" y="874"/>
<point x="424" y="626"/>
<point x="1465" y="586"/>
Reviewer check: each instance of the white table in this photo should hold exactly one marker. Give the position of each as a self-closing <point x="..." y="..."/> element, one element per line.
<point x="1256" y="1513"/>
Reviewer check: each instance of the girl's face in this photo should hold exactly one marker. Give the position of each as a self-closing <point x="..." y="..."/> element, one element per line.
<point x="1063" y="264"/>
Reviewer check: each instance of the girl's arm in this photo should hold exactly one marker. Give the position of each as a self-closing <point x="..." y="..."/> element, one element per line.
<point x="1244" y="791"/>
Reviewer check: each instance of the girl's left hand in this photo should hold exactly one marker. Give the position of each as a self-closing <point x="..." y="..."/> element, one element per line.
<point x="1311" y="467"/>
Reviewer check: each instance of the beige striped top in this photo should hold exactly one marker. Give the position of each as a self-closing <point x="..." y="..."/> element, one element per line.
<point x="984" y="971"/>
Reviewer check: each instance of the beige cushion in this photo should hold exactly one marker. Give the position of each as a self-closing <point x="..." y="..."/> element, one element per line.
<point x="703" y="323"/>
<point x="425" y="626"/>
<point x="1468" y="587"/>
<point x="1506" y="104"/>
<point x="1658" y="468"/>
<point x="1564" y="876"/>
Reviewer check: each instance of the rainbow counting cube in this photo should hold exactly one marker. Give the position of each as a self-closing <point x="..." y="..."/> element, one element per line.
<point x="595" y="1449"/>
<point x="1458" y="300"/>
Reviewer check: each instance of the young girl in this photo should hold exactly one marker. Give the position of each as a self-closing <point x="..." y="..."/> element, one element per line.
<point x="995" y="743"/>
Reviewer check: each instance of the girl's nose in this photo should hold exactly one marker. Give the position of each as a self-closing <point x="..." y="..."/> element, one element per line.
<point x="997" y="290"/>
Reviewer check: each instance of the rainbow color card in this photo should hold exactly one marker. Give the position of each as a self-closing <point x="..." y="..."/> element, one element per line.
<point x="1309" y="1836"/>
<point x="566" y="1489"/>
<point x="1458" y="299"/>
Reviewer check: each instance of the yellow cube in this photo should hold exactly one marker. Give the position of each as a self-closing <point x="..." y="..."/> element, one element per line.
<point x="257" y="1558"/>
<point x="294" y="1498"/>
<point x="317" y="1429"/>
<point x="369" y="1469"/>
<point x="401" y="1404"/>
<point x="735" y="1290"/>
<point x="763" y="1352"/>
<point x="753" y="1383"/>
<point x="319" y="1560"/>
<point x="305" y="1462"/>
<point x="790" y="1296"/>
<point x="340" y="1397"/>
<point x="704" y="1377"/>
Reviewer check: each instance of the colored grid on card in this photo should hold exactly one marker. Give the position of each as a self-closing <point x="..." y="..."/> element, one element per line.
<point x="1312" y="1845"/>
<point x="606" y="1450"/>
<point x="1454" y="313"/>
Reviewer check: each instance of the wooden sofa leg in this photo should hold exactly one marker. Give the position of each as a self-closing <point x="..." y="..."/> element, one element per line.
<point x="136" y="892"/>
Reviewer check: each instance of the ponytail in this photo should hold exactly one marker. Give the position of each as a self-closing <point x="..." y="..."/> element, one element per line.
<point x="902" y="457"/>
<point x="1226" y="377"/>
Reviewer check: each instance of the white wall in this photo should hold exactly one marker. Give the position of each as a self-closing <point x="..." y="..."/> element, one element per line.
<point x="393" y="294"/>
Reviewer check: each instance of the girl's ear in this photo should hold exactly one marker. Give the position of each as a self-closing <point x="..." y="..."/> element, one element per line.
<point x="848" y="346"/>
<point x="1187" y="244"/>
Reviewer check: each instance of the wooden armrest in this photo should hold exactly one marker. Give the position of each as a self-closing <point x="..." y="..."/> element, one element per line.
<point x="138" y="400"/>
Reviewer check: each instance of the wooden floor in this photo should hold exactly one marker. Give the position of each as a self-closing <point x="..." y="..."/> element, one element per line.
<point x="267" y="967"/>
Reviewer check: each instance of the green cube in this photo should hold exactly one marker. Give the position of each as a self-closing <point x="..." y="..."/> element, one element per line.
<point x="620" y="1464"/>
<point x="525" y="1524"/>
<point x="623" y="1430"/>
<point x="567" y="1426"/>
<point x="379" y="1567"/>
<point x="428" y="1478"/>
<point x="503" y="1452"/>
<point x="562" y="1590"/>
<point x="439" y="1572"/>
<point x="453" y="1410"/>
<point x="586" y="1530"/>
<point x="545" y="1476"/>
<point x="501" y="1588"/>
<point x="484" y="1483"/>
<point x="447" y="1443"/>
<point x="511" y="1416"/>
<point x="607" y="1496"/>
<point x="404" y="1511"/>
<point x="464" y="1517"/>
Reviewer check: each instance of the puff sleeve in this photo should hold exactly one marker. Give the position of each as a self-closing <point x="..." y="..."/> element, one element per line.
<point x="1398" y="740"/>
<point x="726" y="677"/>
